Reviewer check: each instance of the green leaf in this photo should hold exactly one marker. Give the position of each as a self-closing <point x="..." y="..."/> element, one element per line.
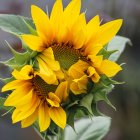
<point x="20" y="58"/>
<point x="106" y="54"/>
<point x="89" y="129"/>
<point x="15" y="24"/>
<point x="87" y="101"/>
<point x="102" y="96"/>
<point x="76" y="112"/>
<point x="71" y="116"/>
<point x="118" y="43"/>
<point x="103" y="84"/>
<point x="101" y="89"/>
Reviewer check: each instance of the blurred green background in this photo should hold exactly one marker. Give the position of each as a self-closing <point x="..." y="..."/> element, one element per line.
<point x="126" y="98"/>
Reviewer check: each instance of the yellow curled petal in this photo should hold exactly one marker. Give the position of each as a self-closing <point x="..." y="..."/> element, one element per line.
<point x="53" y="99"/>
<point x="25" y="73"/>
<point x="109" y="68"/>
<point x="93" y="74"/>
<point x="58" y="115"/>
<point x="45" y="72"/>
<point x="79" y="86"/>
<point x="53" y="103"/>
<point x="77" y="70"/>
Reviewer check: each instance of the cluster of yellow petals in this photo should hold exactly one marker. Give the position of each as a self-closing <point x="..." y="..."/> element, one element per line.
<point x="63" y="26"/>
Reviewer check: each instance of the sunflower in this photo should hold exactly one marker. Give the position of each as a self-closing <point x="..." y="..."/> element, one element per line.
<point x="36" y="100"/>
<point x="68" y="46"/>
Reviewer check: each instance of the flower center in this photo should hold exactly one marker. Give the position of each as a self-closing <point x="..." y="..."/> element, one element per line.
<point x="41" y="87"/>
<point x="66" y="54"/>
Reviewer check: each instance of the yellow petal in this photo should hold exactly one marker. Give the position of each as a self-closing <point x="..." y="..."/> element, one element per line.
<point x="34" y="42"/>
<point x="58" y="115"/>
<point x="48" y="53"/>
<point x="92" y="28"/>
<point x="23" y="100"/>
<point x="108" y="31"/>
<point x="53" y="97"/>
<point x="29" y="120"/>
<point x="79" y="39"/>
<point x="52" y="64"/>
<point x="57" y="15"/>
<point x="24" y="74"/>
<point x="77" y="70"/>
<point x="79" y="86"/>
<point x="72" y="12"/>
<point x="43" y="67"/>
<point x="59" y="75"/>
<point x="93" y="49"/>
<point x="45" y="72"/>
<point x="22" y="95"/>
<point x="79" y="24"/>
<point x="109" y="68"/>
<point x="13" y="85"/>
<point x="26" y="111"/>
<point x="33" y="103"/>
<point x="42" y="24"/>
<point x="44" y="118"/>
<point x="48" y="57"/>
<point x="62" y="91"/>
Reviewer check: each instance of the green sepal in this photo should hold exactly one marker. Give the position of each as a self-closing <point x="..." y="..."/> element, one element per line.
<point x="106" y="54"/>
<point x="5" y="108"/>
<point x="95" y="110"/>
<point x="18" y="60"/>
<point x="101" y="89"/>
<point x="76" y="112"/>
<point x="30" y="27"/>
<point x="102" y="96"/>
<point x="103" y="84"/>
<point x="86" y="102"/>
<point x="7" y="80"/>
<point x="71" y="117"/>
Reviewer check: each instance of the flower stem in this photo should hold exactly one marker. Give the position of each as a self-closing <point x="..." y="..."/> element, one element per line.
<point x="40" y="134"/>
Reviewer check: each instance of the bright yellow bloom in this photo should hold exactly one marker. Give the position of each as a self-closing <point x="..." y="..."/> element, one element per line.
<point x="34" y="99"/>
<point x="64" y="38"/>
